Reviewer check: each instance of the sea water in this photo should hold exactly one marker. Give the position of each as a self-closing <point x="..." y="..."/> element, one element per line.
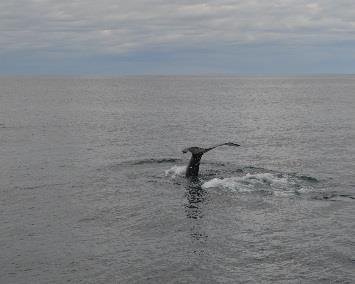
<point x="92" y="186"/>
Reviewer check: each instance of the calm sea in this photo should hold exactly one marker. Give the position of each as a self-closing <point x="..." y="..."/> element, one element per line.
<point x="92" y="186"/>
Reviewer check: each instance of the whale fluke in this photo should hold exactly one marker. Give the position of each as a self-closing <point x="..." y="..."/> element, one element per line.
<point x="197" y="152"/>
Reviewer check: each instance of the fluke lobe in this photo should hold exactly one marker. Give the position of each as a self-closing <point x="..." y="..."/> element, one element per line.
<point x="197" y="152"/>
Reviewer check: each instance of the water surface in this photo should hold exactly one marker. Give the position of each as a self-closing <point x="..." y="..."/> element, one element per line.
<point x="92" y="186"/>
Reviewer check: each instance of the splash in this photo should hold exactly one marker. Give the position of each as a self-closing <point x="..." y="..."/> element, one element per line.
<point x="277" y="184"/>
<point x="176" y="171"/>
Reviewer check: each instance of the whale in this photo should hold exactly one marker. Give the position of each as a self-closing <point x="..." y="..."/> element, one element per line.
<point x="196" y="154"/>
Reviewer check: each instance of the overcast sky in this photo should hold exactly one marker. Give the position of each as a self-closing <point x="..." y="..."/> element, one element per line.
<point x="165" y="37"/>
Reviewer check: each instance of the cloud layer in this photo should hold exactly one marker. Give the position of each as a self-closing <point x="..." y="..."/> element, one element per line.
<point x="121" y="26"/>
<point x="111" y="27"/>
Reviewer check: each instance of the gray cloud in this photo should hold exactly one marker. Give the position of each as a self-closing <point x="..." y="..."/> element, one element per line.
<point x="118" y="27"/>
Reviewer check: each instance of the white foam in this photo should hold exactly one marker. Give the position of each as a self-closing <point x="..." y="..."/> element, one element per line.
<point x="176" y="171"/>
<point x="305" y="189"/>
<point x="250" y="182"/>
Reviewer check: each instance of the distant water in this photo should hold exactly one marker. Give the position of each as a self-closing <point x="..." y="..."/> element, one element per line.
<point x="92" y="186"/>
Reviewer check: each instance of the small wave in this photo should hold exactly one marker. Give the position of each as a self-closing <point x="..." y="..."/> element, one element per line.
<point x="156" y="161"/>
<point x="308" y="178"/>
<point x="176" y="171"/>
<point x="334" y="196"/>
<point x="150" y="161"/>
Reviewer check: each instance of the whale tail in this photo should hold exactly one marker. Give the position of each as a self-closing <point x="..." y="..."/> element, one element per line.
<point x="197" y="152"/>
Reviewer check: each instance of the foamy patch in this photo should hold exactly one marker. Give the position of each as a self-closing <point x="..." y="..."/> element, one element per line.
<point x="252" y="182"/>
<point x="305" y="189"/>
<point x="176" y="171"/>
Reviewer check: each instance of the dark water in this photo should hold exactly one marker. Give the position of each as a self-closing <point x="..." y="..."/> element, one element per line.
<point x="92" y="187"/>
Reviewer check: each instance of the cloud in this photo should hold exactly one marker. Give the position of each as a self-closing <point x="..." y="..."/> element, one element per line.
<point x="119" y="27"/>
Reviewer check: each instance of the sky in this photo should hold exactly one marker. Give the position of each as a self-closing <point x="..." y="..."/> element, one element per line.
<point x="177" y="37"/>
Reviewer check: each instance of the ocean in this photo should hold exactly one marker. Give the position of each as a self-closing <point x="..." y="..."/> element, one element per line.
<point x="92" y="186"/>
